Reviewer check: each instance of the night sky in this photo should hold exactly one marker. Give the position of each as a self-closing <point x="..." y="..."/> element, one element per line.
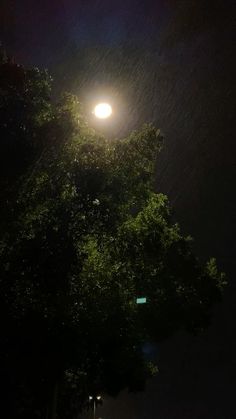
<point x="171" y="63"/>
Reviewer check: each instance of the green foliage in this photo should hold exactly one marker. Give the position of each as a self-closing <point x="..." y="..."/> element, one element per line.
<point x="88" y="236"/>
<point x="24" y="108"/>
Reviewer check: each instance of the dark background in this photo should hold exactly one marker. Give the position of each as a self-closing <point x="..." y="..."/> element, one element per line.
<point x="171" y="63"/>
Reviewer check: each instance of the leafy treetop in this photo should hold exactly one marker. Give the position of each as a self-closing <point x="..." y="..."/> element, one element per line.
<point x="88" y="235"/>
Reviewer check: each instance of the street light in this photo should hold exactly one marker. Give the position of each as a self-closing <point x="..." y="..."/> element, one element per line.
<point x="95" y="400"/>
<point x="103" y="110"/>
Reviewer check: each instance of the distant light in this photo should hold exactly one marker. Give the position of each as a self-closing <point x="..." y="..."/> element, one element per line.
<point x="99" y="397"/>
<point x="103" y="110"/>
<point x="141" y="300"/>
<point x="90" y="397"/>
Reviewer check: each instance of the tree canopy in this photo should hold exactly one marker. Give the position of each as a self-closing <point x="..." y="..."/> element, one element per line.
<point x="83" y="236"/>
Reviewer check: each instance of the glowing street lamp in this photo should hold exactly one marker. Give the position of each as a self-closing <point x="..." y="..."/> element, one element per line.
<point x="103" y="110"/>
<point x="95" y="400"/>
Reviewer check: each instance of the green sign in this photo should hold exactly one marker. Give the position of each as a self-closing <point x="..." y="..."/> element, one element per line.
<point x="141" y="300"/>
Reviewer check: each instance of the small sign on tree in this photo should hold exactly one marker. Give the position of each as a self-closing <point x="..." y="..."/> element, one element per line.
<point x="141" y="300"/>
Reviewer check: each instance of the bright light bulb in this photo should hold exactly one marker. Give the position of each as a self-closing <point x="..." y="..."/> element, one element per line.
<point x="103" y="110"/>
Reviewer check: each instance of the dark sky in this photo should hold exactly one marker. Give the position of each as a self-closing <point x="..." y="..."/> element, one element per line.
<point x="38" y="31"/>
<point x="172" y="63"/>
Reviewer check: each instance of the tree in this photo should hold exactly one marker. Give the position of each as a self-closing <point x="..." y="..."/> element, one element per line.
<point x="89" y="235"/>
